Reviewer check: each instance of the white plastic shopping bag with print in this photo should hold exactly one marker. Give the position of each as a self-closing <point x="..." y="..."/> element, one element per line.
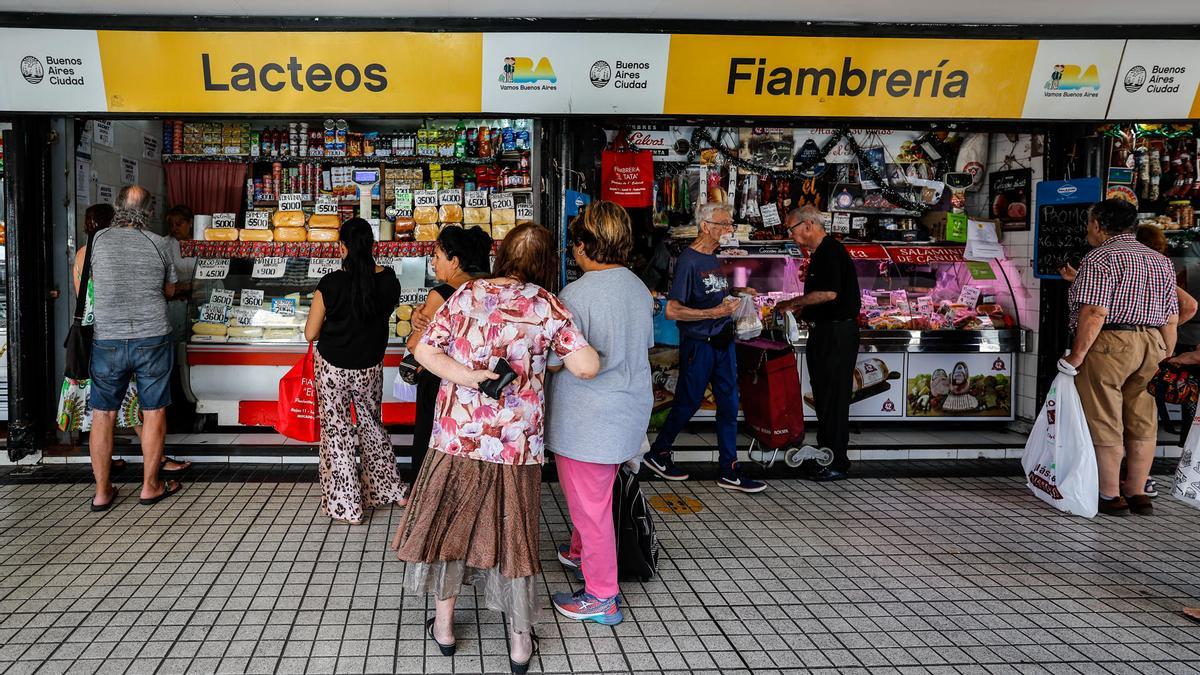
<point x="747" y="320"/>
<point x="1060" y="460"/>
<point x="1187" y="475"/>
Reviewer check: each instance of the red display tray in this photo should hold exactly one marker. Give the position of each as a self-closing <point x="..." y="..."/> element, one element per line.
<point x="301" y="249"/>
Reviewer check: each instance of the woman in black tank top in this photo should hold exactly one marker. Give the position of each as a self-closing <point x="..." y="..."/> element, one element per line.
<point x="459" y="256"/>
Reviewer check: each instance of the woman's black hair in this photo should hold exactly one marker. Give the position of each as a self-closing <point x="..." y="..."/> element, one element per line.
<point x="472" y="246"/>
<point x="360" y="266"/>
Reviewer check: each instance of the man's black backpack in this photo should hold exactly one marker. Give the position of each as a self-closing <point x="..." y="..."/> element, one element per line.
<point x="637" y="546"/>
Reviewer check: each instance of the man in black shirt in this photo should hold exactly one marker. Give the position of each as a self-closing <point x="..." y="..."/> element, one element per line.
<point x="830" y="305"/>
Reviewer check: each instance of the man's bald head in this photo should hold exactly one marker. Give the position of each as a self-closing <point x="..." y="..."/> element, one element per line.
<point x="133" y="198"/>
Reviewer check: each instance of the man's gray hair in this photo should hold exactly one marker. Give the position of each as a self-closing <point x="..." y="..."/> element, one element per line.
<point x="708" y="210"/>
<point x="133" y="198"/>
<point x="807" y="213"/>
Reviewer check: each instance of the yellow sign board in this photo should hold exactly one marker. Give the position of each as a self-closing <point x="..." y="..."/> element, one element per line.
<point x="847" y="77"/>
<point x="315" y="72"/>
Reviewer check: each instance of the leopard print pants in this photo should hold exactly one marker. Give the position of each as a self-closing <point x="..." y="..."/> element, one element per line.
<point x="347" y="487"/>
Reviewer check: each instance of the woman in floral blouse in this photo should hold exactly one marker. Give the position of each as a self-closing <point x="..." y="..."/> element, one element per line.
<point x="475" y="507"/>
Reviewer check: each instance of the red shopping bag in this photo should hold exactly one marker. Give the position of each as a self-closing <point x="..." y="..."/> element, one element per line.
<point x="297" y="414"/>
<point x="627" y="175"/>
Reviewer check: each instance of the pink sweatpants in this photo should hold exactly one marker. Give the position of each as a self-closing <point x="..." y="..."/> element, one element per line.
<point x="589" y="489"/>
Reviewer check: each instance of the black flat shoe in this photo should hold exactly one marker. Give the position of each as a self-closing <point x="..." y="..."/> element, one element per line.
<point x="447" y="650"/>
<point x="828" y="475"/>
<point x="522" y="668"/>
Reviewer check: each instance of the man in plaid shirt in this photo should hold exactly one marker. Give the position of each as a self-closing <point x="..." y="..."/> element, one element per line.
<point x="1124" y="314"/>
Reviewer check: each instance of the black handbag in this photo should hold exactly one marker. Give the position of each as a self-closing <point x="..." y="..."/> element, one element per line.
<point x="79" y="336"/>
<point x="409" y="369"/>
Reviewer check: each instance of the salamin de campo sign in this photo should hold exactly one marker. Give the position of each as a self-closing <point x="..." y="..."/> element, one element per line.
<point x="778" y="80"/>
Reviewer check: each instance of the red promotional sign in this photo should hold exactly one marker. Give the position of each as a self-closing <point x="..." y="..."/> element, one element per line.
<point x="921" y="255"/>
<point x="626" y="175"/>
<point x="867" y="252"/>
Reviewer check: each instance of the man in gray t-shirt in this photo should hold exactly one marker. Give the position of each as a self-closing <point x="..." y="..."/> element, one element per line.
<point x="132" y="277"/>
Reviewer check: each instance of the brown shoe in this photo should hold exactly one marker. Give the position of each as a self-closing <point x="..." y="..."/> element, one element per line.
<point x="1117" y="506"/>
<point x="1140" y="504"/>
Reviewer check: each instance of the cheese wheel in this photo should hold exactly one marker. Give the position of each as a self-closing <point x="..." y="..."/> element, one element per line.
<point x="291" y="234"/>
<point x="322" y="235"/>
<point x="288" y="219"/>
<point x="477" y="215"/>
<point x="325" y="220"/>
<point x="427" y="232"/>
<point x="403" y="328"/>
<point x="404" y="312"/>
<point x="221" y="234"/>
<point x="206" y="328"/>
<point x="256" y="235"/>
<point x="245" y="331"/>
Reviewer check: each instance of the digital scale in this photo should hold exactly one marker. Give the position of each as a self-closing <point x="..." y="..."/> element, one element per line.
<point x="367" y="180"/>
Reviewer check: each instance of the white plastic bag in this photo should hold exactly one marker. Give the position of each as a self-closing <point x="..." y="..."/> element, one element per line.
<point x="1187" y="475"/>
<point x="403" y="391"/>
<point x="1060" y="460"/>
<point x="747" y="320"/>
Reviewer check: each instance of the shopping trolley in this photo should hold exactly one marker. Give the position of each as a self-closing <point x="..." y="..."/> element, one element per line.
<point x="772" y="407"/>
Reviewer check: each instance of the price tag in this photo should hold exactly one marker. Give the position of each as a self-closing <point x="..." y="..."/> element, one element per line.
<point x="242" y="316"/>
<point x="269" y="268"/>
<point x="284" y="306"/>
<point x="291" y="201"/>
<point x="502" y="200"/>
<point x="212" y="268"/>
<point x="424" y="198"/>
<point x="925" y="305"/>
<point x="477" y="199"/>
<point x="213" y="313"/>
<point x="858" y="223"/>
<point x="869" y="299"/>
<point x="224" y="221"/>
<point x="770" y="215"/>
<point x="450" y="197"/>
<point x="319" y="267"/>
<point x="900" y="301"/>
<point x="969" y="296"/>
<point x="414" y="297"/>
<point x="252" y="298"/>
<point x="258" y="220"/>
<point x="221" y="296"/>
<point x="326" y="205"/>
<point x="525" y="213"/>
<point x="841" y="223"/>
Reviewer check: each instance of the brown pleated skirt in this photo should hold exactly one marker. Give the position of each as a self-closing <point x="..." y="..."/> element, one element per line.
<point x="474" y="522"/>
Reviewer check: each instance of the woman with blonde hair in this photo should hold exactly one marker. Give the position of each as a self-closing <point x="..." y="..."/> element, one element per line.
<point x="476" y="504"/>
<point x="596" y="425"/>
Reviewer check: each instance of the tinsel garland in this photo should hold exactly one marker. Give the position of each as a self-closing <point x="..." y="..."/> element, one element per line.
<point x="1168" y="131"/>
<point x="801" y="169"/>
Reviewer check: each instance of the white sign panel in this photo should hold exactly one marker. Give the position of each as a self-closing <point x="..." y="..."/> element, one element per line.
<point x="50" y="71"/>
<point x="103" y="131"/>
<point x="587" y="73"/>
<point x="129" y="171"/>
<point x="1072" y="79"/>
<point x="878" y="389"/>
<point x="1158" y="79"/>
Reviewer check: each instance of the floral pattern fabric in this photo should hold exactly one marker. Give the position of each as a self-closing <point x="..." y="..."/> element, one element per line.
<point x="480" y="324"/>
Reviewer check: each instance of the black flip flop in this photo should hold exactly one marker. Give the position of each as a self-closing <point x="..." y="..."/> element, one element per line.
<point x="167" y="492"/>
<point x="96" y="508"/>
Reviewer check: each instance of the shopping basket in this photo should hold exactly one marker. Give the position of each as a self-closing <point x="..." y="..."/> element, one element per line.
<point x="772" y="407"/>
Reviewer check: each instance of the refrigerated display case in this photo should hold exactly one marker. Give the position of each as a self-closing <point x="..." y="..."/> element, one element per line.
<point x="939" y="334"/>
<point x="3" y="297"/>
<point x="246" y="321"/>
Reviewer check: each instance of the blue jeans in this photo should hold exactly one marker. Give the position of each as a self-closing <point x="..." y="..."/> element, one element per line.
<point x="699" y="365"/>
<point x="114" y="362"/>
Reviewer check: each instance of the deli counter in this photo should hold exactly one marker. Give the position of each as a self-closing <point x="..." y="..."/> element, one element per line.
<point x="939" y="334"/>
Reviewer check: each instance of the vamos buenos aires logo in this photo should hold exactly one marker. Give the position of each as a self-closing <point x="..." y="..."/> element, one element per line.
<point x="522" y="73"/>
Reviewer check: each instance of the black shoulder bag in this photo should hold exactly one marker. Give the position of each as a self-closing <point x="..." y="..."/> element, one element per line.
<point x="79" y="337"/>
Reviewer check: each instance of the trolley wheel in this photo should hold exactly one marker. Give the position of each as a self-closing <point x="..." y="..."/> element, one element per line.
<point x="825" y="457"/>
<point x="794" y="457"/>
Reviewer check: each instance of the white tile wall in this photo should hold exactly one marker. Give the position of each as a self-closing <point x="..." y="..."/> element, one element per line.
<point x="128" y="142"/>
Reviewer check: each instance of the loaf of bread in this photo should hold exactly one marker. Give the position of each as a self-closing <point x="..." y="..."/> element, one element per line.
<point x="291" y="234"/>
<point x="287" y="219"/>
<point x="327" y="220"/>
<point x="221" y="234"/>
<point x="256" y="235"/>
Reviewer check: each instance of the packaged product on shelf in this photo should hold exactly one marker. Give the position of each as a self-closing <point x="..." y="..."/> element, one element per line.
<point x="426" y="231"/>
<point x="324" y="220"/>
<point x="450" y="208"/>
<point x="404" y="223"/>
<point x="323" y="234"/>
<point x="404" y="312"/>
<point x="476" y="210"/>
<point x="287" y="219"/>
<point x="425" y="207"/>
<point x="504" y="214"/>
<point x="256" y="235"/>
<point x="221" y="234"/>
<point x="291" y="234"/>
<point x="209" y="329"/>
<point x="403" y="329"/>
<point x="244" y="331"/>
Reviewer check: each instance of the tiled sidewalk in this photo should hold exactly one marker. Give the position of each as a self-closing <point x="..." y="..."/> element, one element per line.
<point x="923" y="575"/>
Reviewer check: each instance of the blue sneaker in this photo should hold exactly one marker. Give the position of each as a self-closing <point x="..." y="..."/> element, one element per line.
<point x="564" y="557"/>
<point x="583" y="606"/>
<point x="663" y="466"/>
<point x="736" y="481"/>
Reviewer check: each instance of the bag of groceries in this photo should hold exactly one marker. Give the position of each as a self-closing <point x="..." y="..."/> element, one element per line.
<point x="746" y="319"/>
<point x="1187" y="475"/>
<point x="1060" y="460"/>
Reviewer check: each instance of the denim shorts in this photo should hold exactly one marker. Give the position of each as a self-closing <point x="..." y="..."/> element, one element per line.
<point x="114" y="362"/>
